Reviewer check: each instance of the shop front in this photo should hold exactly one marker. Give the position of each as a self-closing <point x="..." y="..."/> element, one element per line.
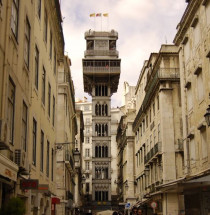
<point x="8" y="179"/>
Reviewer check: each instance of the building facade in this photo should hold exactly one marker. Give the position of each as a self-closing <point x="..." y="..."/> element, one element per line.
<point x="31" y="41"/>
<point x="158" y="135"/>
<point x="193" y="40"/>
<point x="65" y="140"/>
<point x="125" y="144"/>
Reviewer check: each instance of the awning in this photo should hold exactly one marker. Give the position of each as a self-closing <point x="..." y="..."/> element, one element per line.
<point x="55" y="200"/>
<point x="8" y="169"/>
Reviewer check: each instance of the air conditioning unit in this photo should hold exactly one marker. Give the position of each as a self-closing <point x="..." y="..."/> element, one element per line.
<point x="3" y="132"/>
<point x="20" y="158"/>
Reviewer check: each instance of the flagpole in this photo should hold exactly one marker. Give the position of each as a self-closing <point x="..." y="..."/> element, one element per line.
<point x="101" y="23"/>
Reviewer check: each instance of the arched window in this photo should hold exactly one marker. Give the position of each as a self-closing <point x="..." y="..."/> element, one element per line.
<point x="99" y="89"/>
<point x="106" y="110"/>
<point x="99" y="110"/>
<point x="96" y="109"/>
<point x="96" y="129"/>
<point x="99" y="130"/>
<point x="96" y="151"/>
<point x="106" y="151"/>
<point x="106" y="130"/>
<point x="99" y="154"/>
<point x="103" y="110"/>
<point x="103" y="152"/>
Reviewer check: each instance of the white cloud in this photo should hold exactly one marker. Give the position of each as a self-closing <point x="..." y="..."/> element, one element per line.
<point x="142" y="26"/>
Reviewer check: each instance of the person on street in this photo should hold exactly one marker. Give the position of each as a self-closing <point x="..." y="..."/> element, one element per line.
<point x="140" y="211"/>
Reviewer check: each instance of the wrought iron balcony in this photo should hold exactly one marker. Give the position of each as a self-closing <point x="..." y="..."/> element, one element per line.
<point x="153" y="153"/>
<point x="161" y="75"/>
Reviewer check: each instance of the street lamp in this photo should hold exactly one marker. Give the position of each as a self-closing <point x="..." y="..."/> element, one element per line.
<point x="207" y="116"/>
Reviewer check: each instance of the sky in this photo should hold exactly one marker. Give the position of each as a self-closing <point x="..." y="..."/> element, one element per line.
<point x="142" y="26"/>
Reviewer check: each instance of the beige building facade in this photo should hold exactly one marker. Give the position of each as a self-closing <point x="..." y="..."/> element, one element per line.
<point x="65" y="140"/>
<point x="31" y="42"/>
<point x="125" y="145"/>
<point x="193" y="40"/>
<point x="158" y="135"/>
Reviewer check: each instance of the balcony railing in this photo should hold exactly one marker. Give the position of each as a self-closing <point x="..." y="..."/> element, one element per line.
<point x="102" y="53"/>
<point x="161" y="74"/>
<point x="101" y="34"/>
<point x="91" y="69"/>
<point x="153" y="152"/>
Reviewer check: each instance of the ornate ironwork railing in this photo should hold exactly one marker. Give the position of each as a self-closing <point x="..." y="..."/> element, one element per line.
<point x="161" y="74"/>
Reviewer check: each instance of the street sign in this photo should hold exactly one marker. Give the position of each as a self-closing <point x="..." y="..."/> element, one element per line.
<point x="128" y="205"/>
<point x="29" y="184"/>
<point x="153" y="205"/>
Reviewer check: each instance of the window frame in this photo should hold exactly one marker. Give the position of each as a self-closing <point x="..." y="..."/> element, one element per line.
<point x="15" y="6"/>
<point x="27" y="38"/>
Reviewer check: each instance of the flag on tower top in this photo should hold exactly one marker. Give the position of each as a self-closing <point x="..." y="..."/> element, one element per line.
<point x="105" y="14"/>
<point x="98" y="14"/>
<point x="92" y="15"/>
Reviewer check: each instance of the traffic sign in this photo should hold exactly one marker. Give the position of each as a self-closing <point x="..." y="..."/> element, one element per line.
<point x="127" y="205"/>
<point x="153" y="205"/>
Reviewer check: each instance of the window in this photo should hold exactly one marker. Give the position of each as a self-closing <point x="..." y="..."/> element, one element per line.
<point x="54" y="62"/>
<point x="153" y="109"/>
<point x="48" y="159"/>
<point x="11" y="110"/>
<point x="87" y="152"/>
<point x="36" y="67"/>
<point x="49" y="98"/>
<point x="43" y="85"/>
<point x="53" y="117"/>
<point x="158" y="103"/>
<point x="150" y="115"/>
<point x="87" y="187"/>
<point x="87" y="165"/>
<point x="27" y="42"/>
<point x="159" y="137"/>
<point x="42" y="152"/>
<point x="14" y="18"/>
<point x="204" y="142"/>
<point x="52" y="165"/>
<point x="200" y="87"/>
<point x="24" y="126"/>
<point x="34" y="142"/>
<point x="192" y="150"/>
<point x="146" y="120"/>
<point x="50" y="45"/>
<point x="154" y="136"/>
<point x="45" y="26"/>
<point x="189" y="98"/>
<point x="101" y="195"/>
<point x="39" y="6"/>
<point x="87" y="140"/>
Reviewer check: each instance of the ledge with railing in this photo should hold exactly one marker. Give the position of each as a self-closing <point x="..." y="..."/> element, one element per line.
<point x="161" y="74"/>
<point x="156" y="150"/>
<point x="101" y="53"/>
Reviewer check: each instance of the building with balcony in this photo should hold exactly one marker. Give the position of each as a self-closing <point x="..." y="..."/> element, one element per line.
<point x="65" y="140"/>
<point x="192" y="38"/>
<point x="31" y="42"/>
<point x="125" y="148"/>
<point x="158" y="134"/>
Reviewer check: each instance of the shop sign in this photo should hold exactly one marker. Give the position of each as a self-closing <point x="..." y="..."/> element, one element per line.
<point x="55" y="200"/>
<point x="43" y="187"/>
<point x="29" y="184"/>
<point x="8" y="173"/>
